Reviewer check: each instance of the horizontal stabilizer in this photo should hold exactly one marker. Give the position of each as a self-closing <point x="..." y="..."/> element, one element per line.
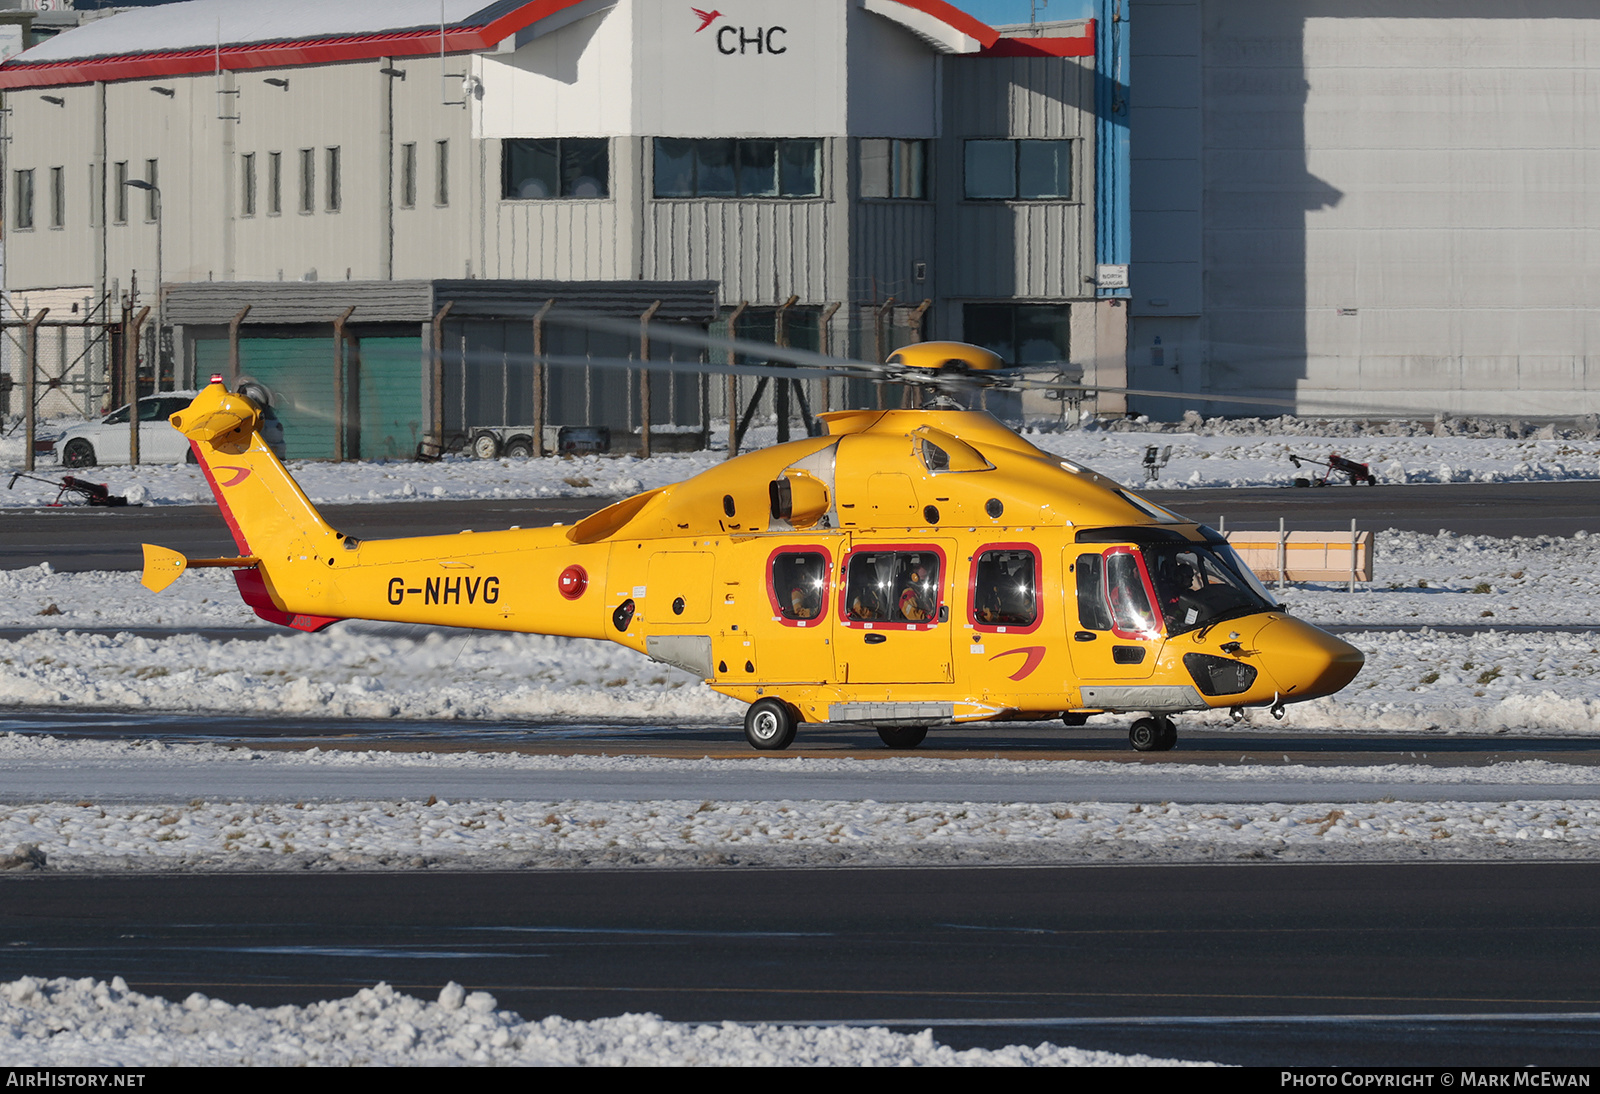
<point x="163" y="566"/>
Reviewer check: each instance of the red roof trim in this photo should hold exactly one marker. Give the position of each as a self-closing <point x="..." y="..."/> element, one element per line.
<point x="18" y="73"/>
<point x="1044" y="47"/>
<point x="946" y="13"/>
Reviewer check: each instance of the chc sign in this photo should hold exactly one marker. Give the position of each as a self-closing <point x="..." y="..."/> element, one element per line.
<point x="732" y="39"/>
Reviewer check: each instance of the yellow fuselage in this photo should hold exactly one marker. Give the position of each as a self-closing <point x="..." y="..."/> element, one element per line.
<point x="860" y="576"/>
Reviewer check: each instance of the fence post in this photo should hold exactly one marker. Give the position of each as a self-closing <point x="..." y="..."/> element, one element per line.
<point x="644" y="378"/>
<point x="233" y="346"/>
<point x="877" y="344"/>
<point x="825" y="345"/>
<point x="539" y="377"/>
<point x="1283" y="553"/>
<point x="733" y="381"/>
<point x="31" y="365"/>
<point x="1354" y="560"/>
<point x="438" y="376"/>
<point x="780" y="389"/>
<point x="130" y="379"/>
<point x="338" y="384"/>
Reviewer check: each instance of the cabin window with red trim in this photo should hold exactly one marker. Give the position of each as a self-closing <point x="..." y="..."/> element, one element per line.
<point x="901" y="587"/>
<point x="799" y="586"/>
<point x="1005" y="589"/>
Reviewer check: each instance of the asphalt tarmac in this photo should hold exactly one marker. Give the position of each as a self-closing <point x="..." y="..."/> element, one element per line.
<point x="1248" y="964"/>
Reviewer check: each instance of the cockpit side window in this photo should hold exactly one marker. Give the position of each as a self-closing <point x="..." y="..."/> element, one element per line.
<point x="1199" y="586"/>
<point x="1131" y="613"/>
<point x="1094" y="614"/>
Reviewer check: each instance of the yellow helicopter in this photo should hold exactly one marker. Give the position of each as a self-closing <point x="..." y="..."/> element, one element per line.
<point x="905" y="570"/>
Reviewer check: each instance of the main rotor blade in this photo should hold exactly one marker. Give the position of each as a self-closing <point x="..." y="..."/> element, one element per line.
<point x="674" y="332"/>
<point x="808" y="364"/>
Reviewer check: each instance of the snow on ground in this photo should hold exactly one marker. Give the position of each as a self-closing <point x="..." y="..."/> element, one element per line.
<point x="1203" y="454"/>
<point x="92" y="1023"/>
<point x="510" y="835"/>
<point x="1521" y="681"/>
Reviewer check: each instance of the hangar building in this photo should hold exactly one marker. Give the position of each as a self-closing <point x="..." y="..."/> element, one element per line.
<point x="875" y="170"/>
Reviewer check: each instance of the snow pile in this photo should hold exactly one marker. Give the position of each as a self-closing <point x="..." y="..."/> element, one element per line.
<point x="522" y="835"/>
<point x="354" y="673"/>
<point x="1449" y="578"/>
<point x="91" y="1023"/>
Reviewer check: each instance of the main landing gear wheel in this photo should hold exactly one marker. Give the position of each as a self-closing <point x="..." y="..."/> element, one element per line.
<point x="769" y="725"/>
<point x="1153" y="735"/>
<point x="902" y="736"/>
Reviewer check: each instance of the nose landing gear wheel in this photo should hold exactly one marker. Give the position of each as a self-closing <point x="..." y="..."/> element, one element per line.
<point x="769" y="725"/>
<point x="1153" y="735"/>
<point x="902" y="736"/>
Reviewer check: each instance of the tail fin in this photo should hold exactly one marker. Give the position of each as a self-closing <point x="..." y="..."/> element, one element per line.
<point x="272" y="520"/>
<point x="267" y="512"/>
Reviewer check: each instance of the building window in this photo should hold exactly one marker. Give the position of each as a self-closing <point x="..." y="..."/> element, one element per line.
<point x="441" y="177"/>
<point x="94" y="205"/>
<point x="408" y="176"/>
<point x="247" y="185"/>
<point x="308" y="180"/>
<point x="119" y="179"/>
<point x="24" y="206"/>
<point x="150" y="205"/>
<point x="331" y="162"/>
<point x="274" y="183"/>
<point x="58" y="197"/>
<point x="569" y="167"/>
<point x="1022" y="334"/>
<point x="738" y="168"/>
<point x="1019" y="170"/>
<point x="894" y="169"/>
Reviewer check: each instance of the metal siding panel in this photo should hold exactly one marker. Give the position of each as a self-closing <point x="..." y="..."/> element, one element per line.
<point x="299" y="373"/>
<point x="392" y="419"/>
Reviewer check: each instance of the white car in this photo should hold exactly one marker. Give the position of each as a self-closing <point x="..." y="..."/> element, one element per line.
<point x="106" y="441"/>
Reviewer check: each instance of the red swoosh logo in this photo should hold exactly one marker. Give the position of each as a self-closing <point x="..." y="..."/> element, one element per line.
<point x="1034" y="654"/>
<point x="241" y="473"/>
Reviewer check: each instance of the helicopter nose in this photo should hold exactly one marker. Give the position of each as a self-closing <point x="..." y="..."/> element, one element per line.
<point x="1308" y="662"/>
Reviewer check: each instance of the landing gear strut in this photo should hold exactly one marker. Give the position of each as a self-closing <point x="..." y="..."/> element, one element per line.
<point x="1155" y="734"/>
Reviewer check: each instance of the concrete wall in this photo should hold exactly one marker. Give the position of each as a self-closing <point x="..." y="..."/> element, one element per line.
<point x="1385" y="207"/>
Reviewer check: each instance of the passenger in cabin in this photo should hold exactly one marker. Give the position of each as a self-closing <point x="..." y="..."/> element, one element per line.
<point x="916" y="601"/>
<point x="802" y="604"/>
<point x="865" y="606"/>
